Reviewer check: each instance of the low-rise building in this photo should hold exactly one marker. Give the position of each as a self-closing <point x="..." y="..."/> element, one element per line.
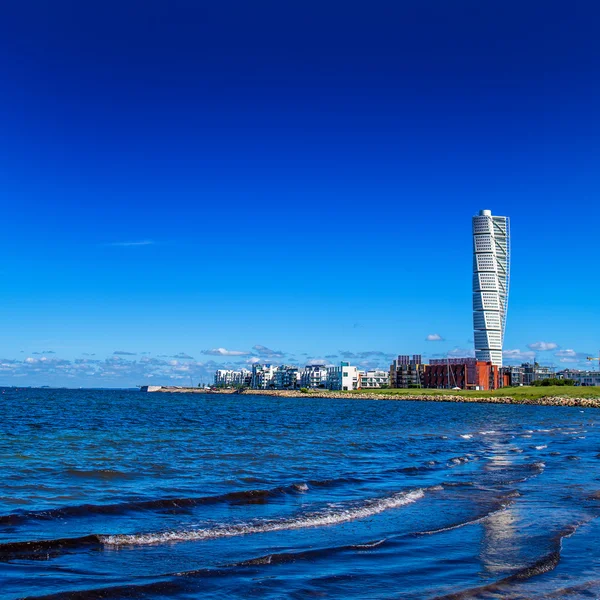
<point x="343" y="377"/>
<point x="463" y="373"/>
<point x="373" y="379"/>
<point x="407" y="372"/>
<point x="231" y="378"/>
<point x="314" y="376"/>
<point x="583" y="378"/>
<point x="514" y="374"/>
<point x="527" y="373"/>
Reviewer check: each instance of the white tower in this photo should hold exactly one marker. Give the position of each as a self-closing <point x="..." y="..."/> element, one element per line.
<point x="491" y="276"/>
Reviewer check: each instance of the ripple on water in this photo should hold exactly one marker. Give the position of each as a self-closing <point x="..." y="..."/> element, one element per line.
<point x="303" y="484"/>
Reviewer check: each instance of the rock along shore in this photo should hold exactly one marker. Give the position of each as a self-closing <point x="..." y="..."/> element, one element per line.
<point x="543" y="401"/>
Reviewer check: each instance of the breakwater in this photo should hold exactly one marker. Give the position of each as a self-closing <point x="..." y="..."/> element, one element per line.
<point x="431" y="397"/>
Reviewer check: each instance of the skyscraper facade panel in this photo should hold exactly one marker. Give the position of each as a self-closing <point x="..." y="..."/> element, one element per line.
<point x="491" y="277"/>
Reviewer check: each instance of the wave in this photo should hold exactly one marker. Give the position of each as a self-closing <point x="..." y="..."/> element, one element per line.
<point x="105" y="474"/>
<point x="333" y="482"/>
<point x="544" y="564"/>
<point x="428" y="466"/>
<point x="171" y="584"/>
<point x="46" y="548"/>
<point x="367" y="545"/>
<point x="514" y="474"/>
<point x="332" y="516"/>
<point x="174" y="583"/>
<point x="43" y="549"/>
<point x="452" y="484"/>
<point x="412" y="470"/>
<point x="164" y="588"/>
<point x="458" y="460"/>
<point x="170" y="504"/>
<point x="288" y="557"/>
<point x="588" y="589"/>
<point x="501" y="505"/>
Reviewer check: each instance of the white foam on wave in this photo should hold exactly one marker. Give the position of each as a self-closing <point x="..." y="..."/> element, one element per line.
<point x="466" y="436"/>
<point x="369" y="545"/>
<point x="458" y="460"/>
<point x="333" y="517"/>
<point x="300" y="487"/>
<point x="542" y="447"/>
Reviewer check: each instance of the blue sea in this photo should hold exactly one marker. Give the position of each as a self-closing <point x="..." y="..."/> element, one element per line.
<point x="124" y="494"/>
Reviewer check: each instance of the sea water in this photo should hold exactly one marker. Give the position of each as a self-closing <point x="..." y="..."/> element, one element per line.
<point x="124" y="494"/>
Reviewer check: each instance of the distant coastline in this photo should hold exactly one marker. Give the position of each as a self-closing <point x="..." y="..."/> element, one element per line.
<point x="409" y="395"/>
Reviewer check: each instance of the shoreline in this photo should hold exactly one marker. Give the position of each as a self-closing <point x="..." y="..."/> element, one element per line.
<point x="541" y="401"/>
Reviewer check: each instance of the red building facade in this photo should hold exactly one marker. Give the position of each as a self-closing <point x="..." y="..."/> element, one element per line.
<point x="464" y="373"/>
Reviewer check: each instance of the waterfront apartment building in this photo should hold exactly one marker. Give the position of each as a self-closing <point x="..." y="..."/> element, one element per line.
<point x="491" y="277"/>
<point x="314" y="376"/>
<point x="463" y="373"/>
<point x="406" y="371"/>
<point x="286" y="377"/>
<point x="343" y="377"/>
<point x="527" y="373"/>
<point x="368" y="380"/>
<point x="262" y="376"/>
<point x="231" y="378"/>
<point x="583" y="378"/>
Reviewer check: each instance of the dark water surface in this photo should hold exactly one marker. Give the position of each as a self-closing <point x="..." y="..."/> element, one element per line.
<point x="111" y="494"/>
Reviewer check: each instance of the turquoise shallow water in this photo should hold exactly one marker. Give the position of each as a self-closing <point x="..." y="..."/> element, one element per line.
<point x="113" y="494"/>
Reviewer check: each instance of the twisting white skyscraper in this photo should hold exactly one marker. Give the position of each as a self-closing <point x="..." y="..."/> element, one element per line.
<point x="491" y="276"/>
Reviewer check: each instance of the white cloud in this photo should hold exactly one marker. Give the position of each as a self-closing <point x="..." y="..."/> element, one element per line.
<point x="461" y="353"/>
<point x="567" y="353"/>
<point x="542" y="346"/>
<point x="112" y="371"/>
<point x="347" y="354"/>
<point x="317" y="361"/>
<point x="519" y="355"/>
<point x="434" y="337"/>
<point x="129" y="244"/>
<point x="225" y="352"/>
<point x="264" y="351"/>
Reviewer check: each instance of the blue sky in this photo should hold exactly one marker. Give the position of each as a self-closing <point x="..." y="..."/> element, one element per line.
<point x="290" y="182"/>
